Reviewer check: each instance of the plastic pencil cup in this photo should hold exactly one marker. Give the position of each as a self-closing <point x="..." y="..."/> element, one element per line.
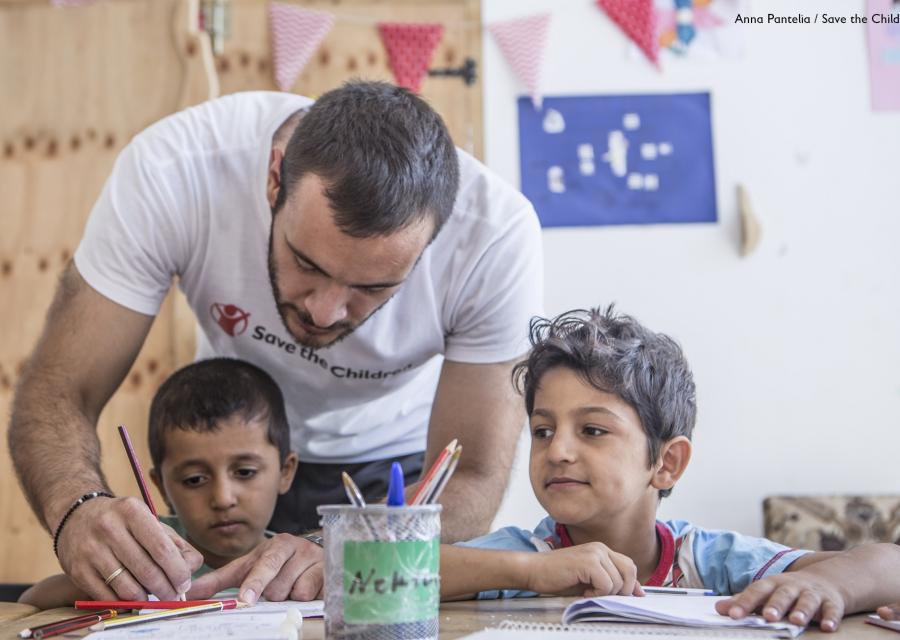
<point x="381" y="571"/>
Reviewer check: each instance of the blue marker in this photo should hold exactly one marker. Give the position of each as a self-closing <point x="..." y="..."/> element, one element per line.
<point x="395" y="497"/>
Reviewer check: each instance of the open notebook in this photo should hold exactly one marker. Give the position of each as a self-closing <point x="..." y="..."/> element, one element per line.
<point x="685" y="611"/>
<point x="513" y="630"/>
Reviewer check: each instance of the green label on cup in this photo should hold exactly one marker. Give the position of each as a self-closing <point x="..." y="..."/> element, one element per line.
<point x="391" y="582"/>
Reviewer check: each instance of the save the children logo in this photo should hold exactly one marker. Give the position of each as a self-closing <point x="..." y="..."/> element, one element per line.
<point x="233" y="320"/>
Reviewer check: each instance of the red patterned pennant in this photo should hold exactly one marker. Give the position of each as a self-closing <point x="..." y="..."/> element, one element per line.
<point x="409" y="48"/>
<point x="637" y="19"/>
<point x="522" y="42"/>
<point x="296" y="34"/>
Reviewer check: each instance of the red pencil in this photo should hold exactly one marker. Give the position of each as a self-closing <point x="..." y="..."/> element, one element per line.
<point x="143" y="604"/>
<point x="69" y="624"/>
<point x="136" y="467"/>
<point x="429" y="477"/>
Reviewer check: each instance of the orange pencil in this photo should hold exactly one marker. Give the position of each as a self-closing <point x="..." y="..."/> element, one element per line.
<point x="432" y="472"/>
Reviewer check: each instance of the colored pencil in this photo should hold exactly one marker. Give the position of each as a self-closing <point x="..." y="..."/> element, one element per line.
<point x="139" y="476"/>
<point x="136" y="468"/>
<point x="419" y="495"/>
<point x="166" y="613"/>
<point x="445" y="478"/>
<point x="142" y="604"/>
<point x="353" y="493"/>
<point x="69" y="624"/>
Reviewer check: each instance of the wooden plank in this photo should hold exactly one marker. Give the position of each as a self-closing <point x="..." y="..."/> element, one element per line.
<point x="353" y="49"/>
<point x="81" y="82"/>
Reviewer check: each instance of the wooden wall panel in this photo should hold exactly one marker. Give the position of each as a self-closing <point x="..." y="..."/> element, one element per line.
<point x="77" y="84"/>
<point x="353" y="49"/>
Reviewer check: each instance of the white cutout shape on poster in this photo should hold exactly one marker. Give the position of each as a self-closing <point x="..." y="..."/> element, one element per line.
<point x="556" y="180"/>
<point x="617" y="154"/>
<point x="586" y="159"/>
<point x="631" y="121"/>
<point x="648" y="151"/>
<point x="665" y="148"/>
<point x="635" y="181"/>
<point x="651" y="181"/>
<point x="554" y="122"/>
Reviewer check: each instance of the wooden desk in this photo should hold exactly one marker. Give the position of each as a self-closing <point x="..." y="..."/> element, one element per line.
<point x="457" y="619"/>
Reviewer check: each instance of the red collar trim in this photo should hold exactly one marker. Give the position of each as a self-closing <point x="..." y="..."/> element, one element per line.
<point x="666" y="555"/>
<point x="565" y="540"/>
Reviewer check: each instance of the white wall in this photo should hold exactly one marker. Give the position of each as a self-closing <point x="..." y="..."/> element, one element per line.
<point x="795" y="349"/>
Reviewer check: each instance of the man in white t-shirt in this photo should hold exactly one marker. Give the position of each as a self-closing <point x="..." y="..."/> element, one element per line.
<point x="382" y="277"/>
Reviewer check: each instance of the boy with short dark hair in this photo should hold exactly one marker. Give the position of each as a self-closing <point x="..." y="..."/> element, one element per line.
<point x="612" y="407"/>
<point x="219" y="441"/>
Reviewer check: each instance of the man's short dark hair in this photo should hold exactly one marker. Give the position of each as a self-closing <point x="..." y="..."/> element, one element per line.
<point x="200" y="395"/>
<point x="615" y="353"/>
<point x="384" y="155"/>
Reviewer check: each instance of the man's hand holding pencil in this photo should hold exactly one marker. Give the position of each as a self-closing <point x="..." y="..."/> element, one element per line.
<point x="106" y="534"/>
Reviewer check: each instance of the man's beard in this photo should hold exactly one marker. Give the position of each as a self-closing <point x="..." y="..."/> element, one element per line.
<point x="285" y="308"/>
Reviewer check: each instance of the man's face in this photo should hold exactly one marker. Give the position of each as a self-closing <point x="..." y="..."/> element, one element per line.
<point x="325" y="282"/>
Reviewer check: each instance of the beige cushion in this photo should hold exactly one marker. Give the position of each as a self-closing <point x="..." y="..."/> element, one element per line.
<point x="831" y="523"/>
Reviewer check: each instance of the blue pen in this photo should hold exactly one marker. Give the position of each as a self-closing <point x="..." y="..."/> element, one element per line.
<point x="678" y="591"/>
<point x="395" y="497"/>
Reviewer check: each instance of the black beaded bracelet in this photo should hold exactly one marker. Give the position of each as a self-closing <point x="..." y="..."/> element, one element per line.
<point x="78" y="503"/>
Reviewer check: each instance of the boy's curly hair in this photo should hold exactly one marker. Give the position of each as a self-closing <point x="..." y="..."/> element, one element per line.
<point x="614" y="353"/>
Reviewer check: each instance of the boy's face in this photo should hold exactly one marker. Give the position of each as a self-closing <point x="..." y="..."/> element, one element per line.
<point x="223" y="485"/>
<point x="589" y="459"/>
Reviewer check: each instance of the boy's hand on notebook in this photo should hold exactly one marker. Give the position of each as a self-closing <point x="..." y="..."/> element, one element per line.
<point x="890" y="611"/>
<point x="284" y="567"/>
<point x="797" y="597"/>
<point x="588" y="570"/>
<point x="108" y="533"/>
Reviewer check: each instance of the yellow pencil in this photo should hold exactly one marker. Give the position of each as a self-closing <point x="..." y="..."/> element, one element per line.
<point x="167" y="613"/>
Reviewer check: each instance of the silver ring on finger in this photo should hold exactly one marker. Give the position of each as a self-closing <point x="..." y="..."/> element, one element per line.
<point x="115" y="574"/>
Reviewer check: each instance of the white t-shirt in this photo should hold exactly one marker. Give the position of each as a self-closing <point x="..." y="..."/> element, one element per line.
<point x="187" y="197"/>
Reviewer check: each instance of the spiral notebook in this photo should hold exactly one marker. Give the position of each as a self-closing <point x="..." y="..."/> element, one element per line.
<point x="679" y="610"/>
<point x="510" y="629"/>
<point x="686" y="617"/>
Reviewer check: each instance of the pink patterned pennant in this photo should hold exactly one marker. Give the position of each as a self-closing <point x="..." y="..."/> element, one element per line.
<point x="522" y="42"/>
<point x="637" y="19"/>
<point x="296" y="34"/>
<point x="409" y="48"/>
<point x="884" y="54"/>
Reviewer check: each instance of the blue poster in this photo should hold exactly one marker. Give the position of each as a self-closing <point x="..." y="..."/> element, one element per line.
<point x="641" y="159"/>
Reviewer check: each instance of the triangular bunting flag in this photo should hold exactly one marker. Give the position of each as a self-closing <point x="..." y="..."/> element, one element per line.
<point x="637" y="19"/>
<point x="409" y="48"/>
<point x="522" y="42"/>
<point x="296" y="34"/>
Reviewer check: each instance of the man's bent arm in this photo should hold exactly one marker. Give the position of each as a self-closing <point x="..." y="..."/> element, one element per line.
<point x="477" y="404"/>
<point x="86" y="349"/>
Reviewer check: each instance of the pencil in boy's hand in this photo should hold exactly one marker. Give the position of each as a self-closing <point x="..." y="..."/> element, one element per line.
<point x="430" y="477"/>
<point x="352" y="491"/>
<point x="69" y="624"/>
<point x="136" y="468"/>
